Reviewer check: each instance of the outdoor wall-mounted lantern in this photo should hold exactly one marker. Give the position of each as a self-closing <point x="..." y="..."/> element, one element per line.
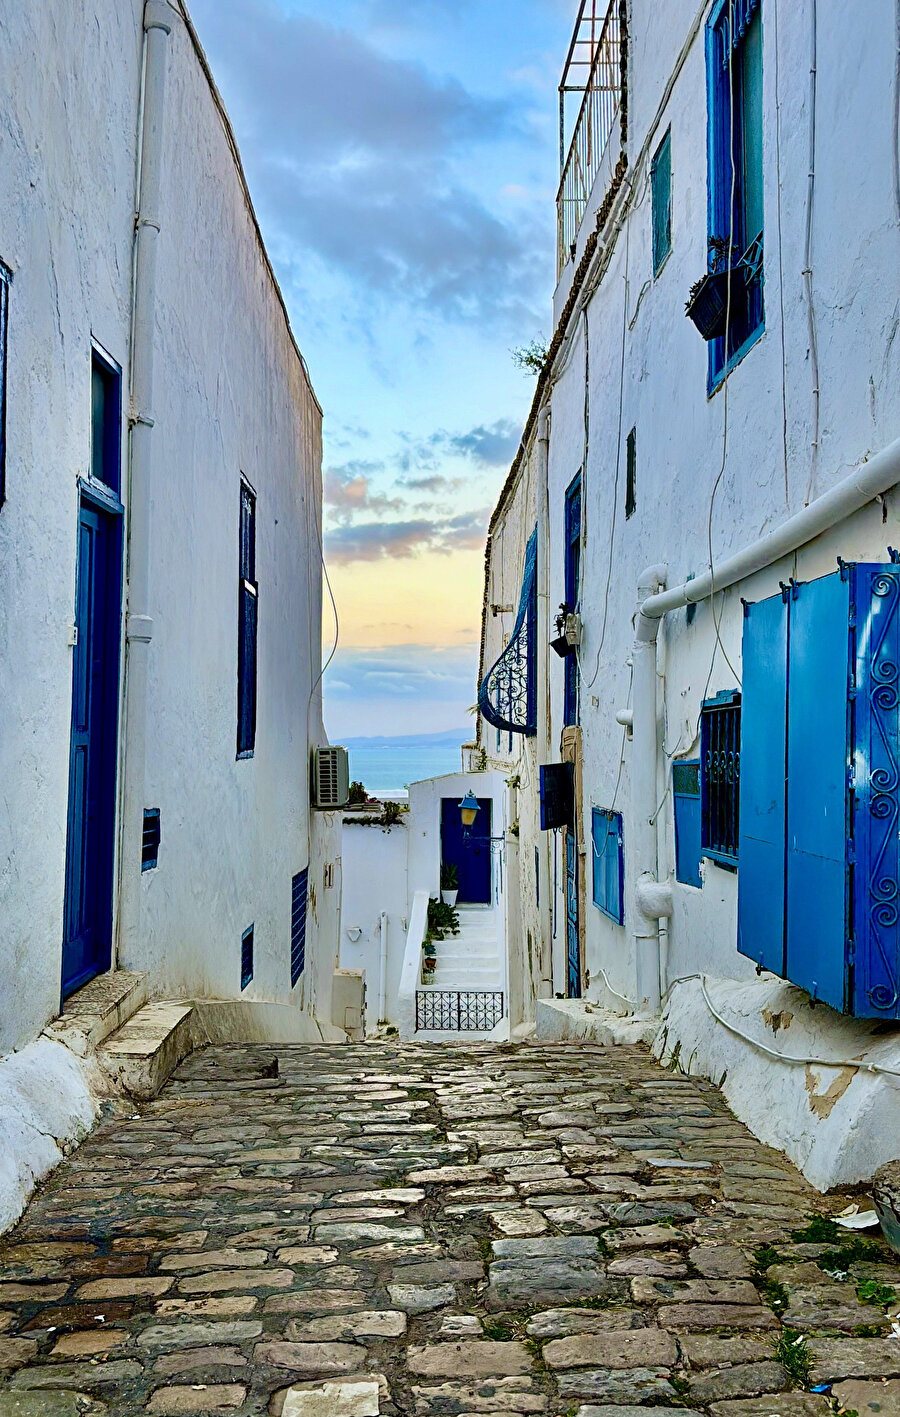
<point x="468" y="810"/>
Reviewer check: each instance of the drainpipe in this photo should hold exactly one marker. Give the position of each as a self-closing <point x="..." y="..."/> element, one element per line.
<point x="545" y="988"/>
<point x="382" y="966"/>
<point x="139" y="629"/>
<point x="653" y="898"/>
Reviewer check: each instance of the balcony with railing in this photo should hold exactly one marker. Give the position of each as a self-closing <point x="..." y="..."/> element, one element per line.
<point x="595" y="68"/>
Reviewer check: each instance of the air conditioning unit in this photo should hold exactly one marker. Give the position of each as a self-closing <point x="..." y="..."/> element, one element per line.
<point x="330" y="778"/>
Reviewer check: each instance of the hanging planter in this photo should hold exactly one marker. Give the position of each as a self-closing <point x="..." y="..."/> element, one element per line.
<point x="707" y="303"/>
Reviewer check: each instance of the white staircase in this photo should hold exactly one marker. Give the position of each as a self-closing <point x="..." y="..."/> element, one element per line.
<point x="471" y="959"/>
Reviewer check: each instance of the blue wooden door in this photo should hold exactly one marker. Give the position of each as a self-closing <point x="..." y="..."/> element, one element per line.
<point x="572" y="592"/>
<point x="87" y="941"/>
<point x="469" y="852"/>
<point x="573" y="954"/>
<point x="817" y="767"/>
<point x="761" y="853"/>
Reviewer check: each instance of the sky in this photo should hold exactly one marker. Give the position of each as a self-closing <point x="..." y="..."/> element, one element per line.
<point x="403" y="159"/>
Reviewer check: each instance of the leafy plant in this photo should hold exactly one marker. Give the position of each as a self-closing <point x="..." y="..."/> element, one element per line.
<point x="358" y="795"/>
<point x="792" y="1351"/>
<point x="530" y="358"/>
<point x="391" y="814"/>
<point x="871" y="1292"/>
<point x="443" y="920"/>
<point x="819" y="1231"/>
<point x="449" y="877"/>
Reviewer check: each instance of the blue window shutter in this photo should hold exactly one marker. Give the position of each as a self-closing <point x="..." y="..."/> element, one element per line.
<point x="686" y="800"/>
<point x="608" y="863"/>
<point x="246" y="957"/>
<point x="761" y="883"/>
<point x="248" y="618"/>
<point x="299" y="902"/>
<point x="661" y="201"/>
<point x="572" y="591"/>
<point x="876" y="894"/>
<point x="817" y="768"/>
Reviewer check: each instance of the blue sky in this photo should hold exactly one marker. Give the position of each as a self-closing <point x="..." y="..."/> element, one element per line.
<point x="402" y="156"/>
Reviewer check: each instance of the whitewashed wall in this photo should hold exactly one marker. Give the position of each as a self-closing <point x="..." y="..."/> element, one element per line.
<point x="231" y="397"/>
<point x="856" y="255"/>
<point x="375" y="881"/>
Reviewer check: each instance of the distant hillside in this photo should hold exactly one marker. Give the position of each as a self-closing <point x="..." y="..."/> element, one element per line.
<point x="453" y="738"/>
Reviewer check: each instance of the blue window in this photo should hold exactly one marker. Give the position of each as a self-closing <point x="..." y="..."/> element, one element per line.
<point x="631" y="474"/>
<point x="609" y="863"/>
<point x="106" y="422"/>
<point x="720" y="777"/>
<point x="246" y="957"/>
<point x="150" y="839"/>
<point x="248" y="615"/>
<point x="572" y="590"/>
<point x="299" y="901"/>
<point x="4" y="320"/>
<point x="686" y="799"/>
<point x="735" y="222"/>
<point x="661" y="202"/>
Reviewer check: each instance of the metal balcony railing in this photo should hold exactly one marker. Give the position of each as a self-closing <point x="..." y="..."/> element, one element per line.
<point x="597" y="43"/>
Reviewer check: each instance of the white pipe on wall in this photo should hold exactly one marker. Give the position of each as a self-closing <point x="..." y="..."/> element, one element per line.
<point x="653" y="898"/>
<point x="382" y="966"/>
<point x="158" y="19"/>
<point x="545" y="989"/>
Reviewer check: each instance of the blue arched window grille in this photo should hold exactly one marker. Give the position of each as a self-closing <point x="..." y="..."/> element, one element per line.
<point x="508" y="694"/>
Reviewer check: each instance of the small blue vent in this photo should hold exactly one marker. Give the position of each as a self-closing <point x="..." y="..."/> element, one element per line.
<point x="299" y="900"/>
<point x="246" y="957"/>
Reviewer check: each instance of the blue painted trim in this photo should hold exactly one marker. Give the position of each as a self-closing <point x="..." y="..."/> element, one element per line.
<point x="99" y="495"/>
<point x="613" y="841"/>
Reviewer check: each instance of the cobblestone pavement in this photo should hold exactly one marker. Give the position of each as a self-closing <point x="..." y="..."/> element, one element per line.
<point x="541" y="1229"/>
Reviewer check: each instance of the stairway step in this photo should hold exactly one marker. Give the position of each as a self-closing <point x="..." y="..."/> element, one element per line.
<point x="147" y="1050"/>
<point x="94" y="1012"/>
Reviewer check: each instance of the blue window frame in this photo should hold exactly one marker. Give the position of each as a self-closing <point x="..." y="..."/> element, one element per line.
<point x="609" y="863"/>
<point x="661" y="202"/>
<point x="106" y="422"/>
<point x="572" y="591"/>
<point x="150" y="839"/>
<point x="299" y="902"/>
<point x="248" y="617"/>
<point x="4" y="323"/>
<point x="246" y="957"/>
<point x="735" y="156"/>
<point x="686" y="799"/>
<point x="720" y="777"/>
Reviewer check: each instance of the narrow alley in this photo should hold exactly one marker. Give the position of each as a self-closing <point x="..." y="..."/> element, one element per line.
<point x="533" y="1229"/>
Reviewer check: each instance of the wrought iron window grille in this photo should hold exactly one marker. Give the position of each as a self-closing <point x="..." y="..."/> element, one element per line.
<point x="720" y="777"/>
<point x="507" y="698"/>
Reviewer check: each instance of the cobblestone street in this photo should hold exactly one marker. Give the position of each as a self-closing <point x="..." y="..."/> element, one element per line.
<point x="541" y="1229"/>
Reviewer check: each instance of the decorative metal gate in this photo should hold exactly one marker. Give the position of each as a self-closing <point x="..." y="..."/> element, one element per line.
<point x="458" y="1011"/>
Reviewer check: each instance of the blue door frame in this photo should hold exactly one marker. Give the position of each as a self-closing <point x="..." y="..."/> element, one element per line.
<point x="573" y="952"/>
<point x="572" y="591"/>
<point x="470" y="853"/>
<point x="93" y="755"/>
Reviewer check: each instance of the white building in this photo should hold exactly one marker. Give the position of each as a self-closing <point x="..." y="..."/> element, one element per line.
<point x="729" y="874"/>
<point x="160" y="562"/>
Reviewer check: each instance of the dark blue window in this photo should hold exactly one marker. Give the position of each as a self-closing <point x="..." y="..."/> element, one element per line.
<point x="248" y="613"/>
<point x="686" y="799"/>
<point x="4" y="321"/>
<point x="150" y="839"/>
<point x="609" y="863"/>
<point x="106" y="422"/>
<point x="246" y="957"/>
<point x="720" y="777"/>
<point x="661" y="202"/>
<point x="631" y="474"/>
<point x="299" y="901"/>
<point x="572" y="590"/>
<point x="735" y="224"/>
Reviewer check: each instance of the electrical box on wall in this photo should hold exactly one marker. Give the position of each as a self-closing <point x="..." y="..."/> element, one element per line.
<point x="330" y="778"/>
<point x="557" y="796"/>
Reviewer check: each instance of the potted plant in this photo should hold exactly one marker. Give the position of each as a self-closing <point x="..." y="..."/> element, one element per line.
<point x="449" y="883"/>
<point x="429" y="960"/>
<point x="707" y="303"/>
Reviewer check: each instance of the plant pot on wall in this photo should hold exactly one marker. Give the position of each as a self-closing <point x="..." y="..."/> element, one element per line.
<point x="449" y="897"/>
<point x="707" y="304"/>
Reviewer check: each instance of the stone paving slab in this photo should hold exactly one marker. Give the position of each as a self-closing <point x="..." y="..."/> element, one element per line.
<point x="438" y="1231"/>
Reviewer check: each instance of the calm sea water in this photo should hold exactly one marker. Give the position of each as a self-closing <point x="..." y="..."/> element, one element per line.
<point x="392" y="768"/>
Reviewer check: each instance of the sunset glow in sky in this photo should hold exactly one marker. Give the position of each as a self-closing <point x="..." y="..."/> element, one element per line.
<point x="402" y="156"/>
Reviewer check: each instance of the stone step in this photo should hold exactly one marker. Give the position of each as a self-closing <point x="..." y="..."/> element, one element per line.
<point x="94" y="1012"/>
<point x="146" y="1050"/>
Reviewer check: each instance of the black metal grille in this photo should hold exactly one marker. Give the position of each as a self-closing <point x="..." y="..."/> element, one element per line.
<point x="458" y="1011"/>
<point x="150" y="839"/>
<point x="720" y="758"/>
